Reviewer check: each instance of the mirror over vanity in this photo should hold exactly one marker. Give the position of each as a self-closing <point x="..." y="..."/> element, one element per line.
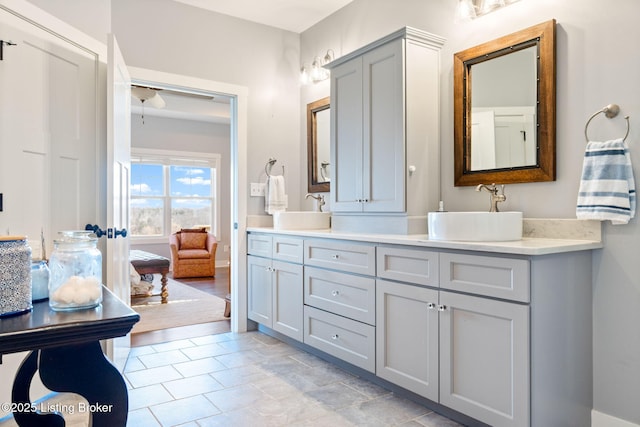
<point x="504" y="109"/>
<point x="318" y="143"/>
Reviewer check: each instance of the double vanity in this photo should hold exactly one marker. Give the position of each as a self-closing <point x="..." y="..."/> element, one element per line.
<point x="488" y="318"/>
<point x="495" y="333"/>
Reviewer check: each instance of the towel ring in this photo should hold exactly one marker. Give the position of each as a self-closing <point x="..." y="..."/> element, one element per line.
<point x="610" y="111"/>
<point x="269" y="165"/>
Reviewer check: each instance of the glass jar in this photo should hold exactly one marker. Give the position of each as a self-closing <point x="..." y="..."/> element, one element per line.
<point x="75" y="272"/>
<point x="39" y="281"/>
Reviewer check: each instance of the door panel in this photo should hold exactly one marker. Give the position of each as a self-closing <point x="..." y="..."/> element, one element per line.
<point x="48" y="133"/>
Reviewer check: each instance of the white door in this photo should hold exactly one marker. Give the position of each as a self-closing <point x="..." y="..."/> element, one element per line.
<point x="118" y="170"/>
<point x="48" y="141"/>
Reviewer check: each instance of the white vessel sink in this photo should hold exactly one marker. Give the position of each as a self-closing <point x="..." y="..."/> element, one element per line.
<point x="301" y="220"/>
<point x="475" y="226"/>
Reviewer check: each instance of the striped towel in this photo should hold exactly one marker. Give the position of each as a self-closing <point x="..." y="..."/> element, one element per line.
<point x="607" y="189"/>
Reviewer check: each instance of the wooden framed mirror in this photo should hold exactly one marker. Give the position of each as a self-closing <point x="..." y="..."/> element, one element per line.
<point x="504" y="109"/>
<point x="318" y="146"/>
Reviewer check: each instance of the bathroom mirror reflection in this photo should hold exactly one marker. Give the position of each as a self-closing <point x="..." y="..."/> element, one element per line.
<point x="318" y="134"/>
<point x="504" y="109"/>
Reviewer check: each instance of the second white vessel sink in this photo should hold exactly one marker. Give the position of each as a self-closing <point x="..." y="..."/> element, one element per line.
<point x="301" y="220"/>
<point x="475" y="226"/>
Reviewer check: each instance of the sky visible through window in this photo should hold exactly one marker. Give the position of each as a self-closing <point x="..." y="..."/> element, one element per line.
<point x="185" y="182"/>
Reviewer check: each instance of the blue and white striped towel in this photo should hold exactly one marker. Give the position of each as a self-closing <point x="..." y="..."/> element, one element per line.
<point x="607" y="188"/>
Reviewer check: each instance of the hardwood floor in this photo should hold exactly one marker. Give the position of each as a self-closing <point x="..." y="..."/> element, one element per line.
<point x="217" y="286"/>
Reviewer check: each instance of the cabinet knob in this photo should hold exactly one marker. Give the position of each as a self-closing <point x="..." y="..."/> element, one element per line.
<point x="431" y="306"/>
<point x="335" y="293"/>
<point x="335" y="256"/>
<point x="442" y="307"/>
<point x="334" y="337"/>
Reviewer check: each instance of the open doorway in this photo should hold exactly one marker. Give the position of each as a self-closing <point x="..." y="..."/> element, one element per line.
<point x="199" y="120"/>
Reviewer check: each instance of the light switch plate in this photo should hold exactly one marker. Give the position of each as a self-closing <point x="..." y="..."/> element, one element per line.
<point x="257" y="189"/>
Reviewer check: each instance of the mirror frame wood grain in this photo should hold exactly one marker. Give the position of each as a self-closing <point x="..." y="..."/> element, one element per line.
<point x="542" y="35"/>
<point x="314" y="185"/>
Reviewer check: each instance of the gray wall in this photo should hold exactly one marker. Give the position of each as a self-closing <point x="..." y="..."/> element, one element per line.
<point x="594" y="68"/>
<point x="161" y="133"/>
<point x="175" y="38"/>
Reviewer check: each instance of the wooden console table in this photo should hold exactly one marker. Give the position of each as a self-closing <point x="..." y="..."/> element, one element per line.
<point x="65" y="349"/>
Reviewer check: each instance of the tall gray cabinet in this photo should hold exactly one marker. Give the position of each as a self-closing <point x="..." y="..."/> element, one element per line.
<point x="385" y="134"/>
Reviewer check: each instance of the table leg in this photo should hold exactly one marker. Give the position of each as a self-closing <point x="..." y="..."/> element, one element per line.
<point x="164" y="289"/>
<point x="83" y="369"/>
<point x="24" y="413"/>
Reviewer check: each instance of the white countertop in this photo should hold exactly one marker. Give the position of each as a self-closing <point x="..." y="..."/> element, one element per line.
<point x="526" y="246"/>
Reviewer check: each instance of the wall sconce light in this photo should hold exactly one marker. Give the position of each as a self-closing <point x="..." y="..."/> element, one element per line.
<point x="316" y="73"/>
<point x="471" y="9"/>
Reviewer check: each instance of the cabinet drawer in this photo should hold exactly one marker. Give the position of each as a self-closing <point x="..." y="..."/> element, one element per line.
<point x="351" y="257"/>
<point x="288" y="249"/>
<point x="506" y="278"/>
<point x="417" y="266"/>
<point x="341" y="293"/>
<point x="346" y="339"/>
<point x="259" y="244"/>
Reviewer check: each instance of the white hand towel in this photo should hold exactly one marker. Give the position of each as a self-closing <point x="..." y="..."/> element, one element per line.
<point x="607" y="188"/>
<point x="275" y="198"/>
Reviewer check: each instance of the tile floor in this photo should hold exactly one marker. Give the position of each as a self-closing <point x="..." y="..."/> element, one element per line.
<point x="254" y="380"/>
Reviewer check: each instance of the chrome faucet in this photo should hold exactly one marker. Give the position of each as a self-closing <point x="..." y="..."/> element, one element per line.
<point x="319" y="198"/>
<point x="495" y="197"/>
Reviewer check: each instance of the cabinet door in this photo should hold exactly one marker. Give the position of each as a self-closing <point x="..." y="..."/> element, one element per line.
<point x="383" y="130"/>
<point x="346" y="137"/>
<point x="484" y="358"/>
<point x="259" y="274"/>
<point x="407" y="337"/>
<point x="287" y="299"/>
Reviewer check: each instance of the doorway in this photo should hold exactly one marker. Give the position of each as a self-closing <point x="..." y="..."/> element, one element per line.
<point x="237" y="97"/>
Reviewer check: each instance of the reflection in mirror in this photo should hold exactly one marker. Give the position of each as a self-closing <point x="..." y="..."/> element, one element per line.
<point x="318" y="127"/>
<point x="504" y="109"/>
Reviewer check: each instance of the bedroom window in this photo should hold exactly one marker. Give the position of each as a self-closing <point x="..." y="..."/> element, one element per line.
<point x="171" y="191"/>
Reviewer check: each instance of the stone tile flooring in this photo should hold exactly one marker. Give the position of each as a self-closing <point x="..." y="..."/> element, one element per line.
<point x="254" y="380"/>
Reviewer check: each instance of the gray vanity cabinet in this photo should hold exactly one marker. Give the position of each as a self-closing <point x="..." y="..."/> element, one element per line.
<point x="385" y="127"/>
<point x="407" y="337"/>
<point x="275" y="286"/>
<point x="339" y="298"/>
<point x="484" y="358"/>
<point x="369" y="134"/>
<point x="467" y="352"/>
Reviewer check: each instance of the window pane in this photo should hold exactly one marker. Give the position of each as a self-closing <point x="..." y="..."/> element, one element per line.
<point x="146" y="180"/>
<point x="146" y="217"/>
<point x="189" y="213"/>
<point x="190" y="181"/>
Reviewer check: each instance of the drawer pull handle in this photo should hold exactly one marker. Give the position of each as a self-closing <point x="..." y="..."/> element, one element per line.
<point x="335" y="293"/>
<point x="442" y="307"/>
<point x="334" y="337"/>
<point x="336" y="256"/>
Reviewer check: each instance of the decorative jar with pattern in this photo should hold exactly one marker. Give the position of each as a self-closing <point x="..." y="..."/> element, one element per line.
<point x="15" y="275"/>
<point x="75" y="272"/>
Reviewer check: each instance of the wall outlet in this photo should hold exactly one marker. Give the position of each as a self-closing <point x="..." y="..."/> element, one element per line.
<point x="257" y="189"/>
<point x="225" y="248"/>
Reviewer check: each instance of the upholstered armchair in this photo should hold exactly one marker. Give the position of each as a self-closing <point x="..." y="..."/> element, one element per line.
<point x="193" y="253"/>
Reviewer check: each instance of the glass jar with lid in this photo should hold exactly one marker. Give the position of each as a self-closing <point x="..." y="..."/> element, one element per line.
<point x="75" y="272"/>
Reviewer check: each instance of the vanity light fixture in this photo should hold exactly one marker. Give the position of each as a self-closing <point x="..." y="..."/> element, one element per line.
<point x="471" y="9"/>
<point x="317" y="73"/>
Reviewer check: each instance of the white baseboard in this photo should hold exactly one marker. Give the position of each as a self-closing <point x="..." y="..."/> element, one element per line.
<point x="599" y="419"/>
